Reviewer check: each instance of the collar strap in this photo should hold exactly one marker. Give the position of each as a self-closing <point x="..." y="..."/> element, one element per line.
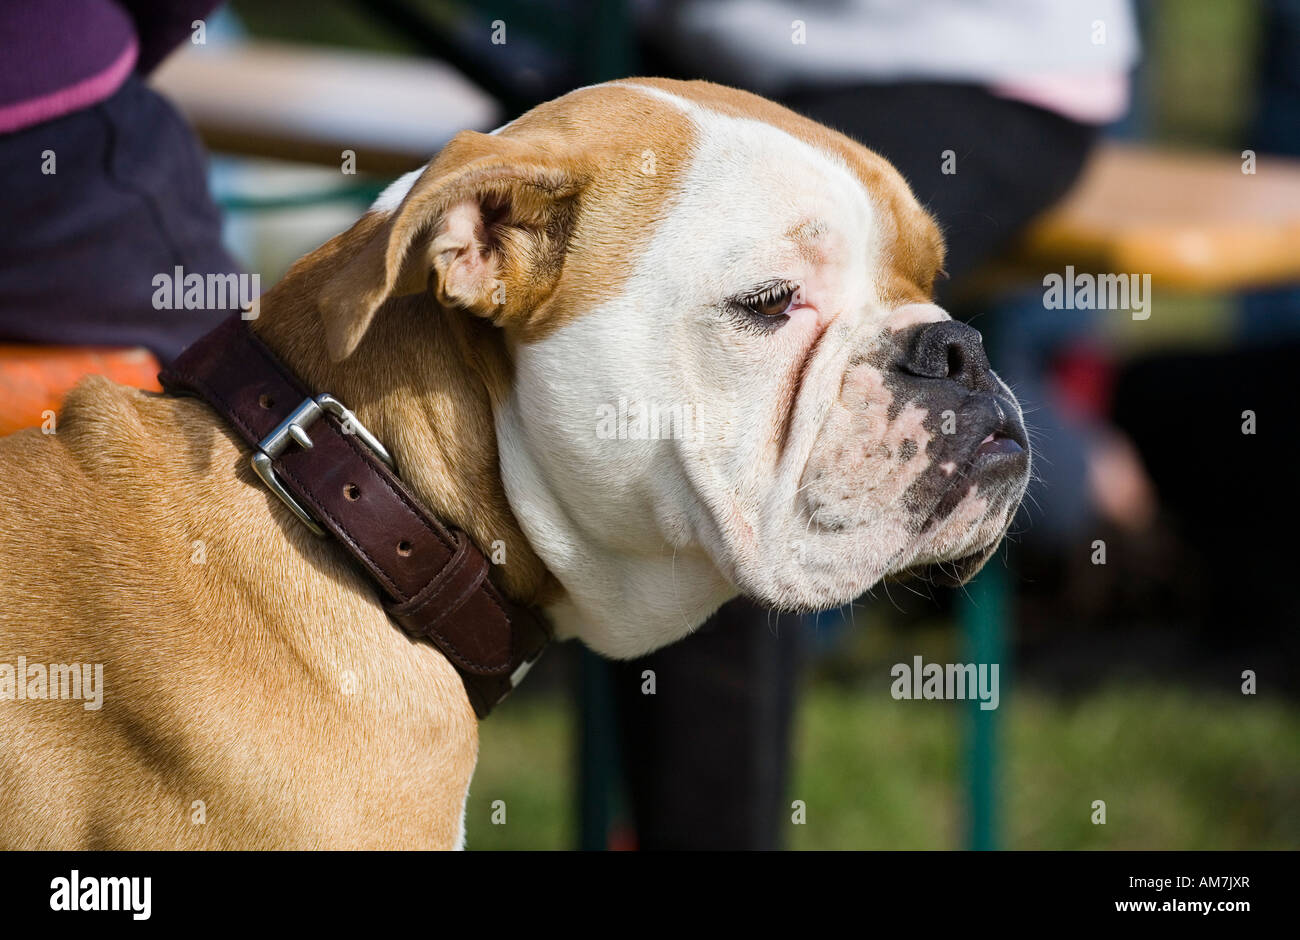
<point x="338" y="480"/>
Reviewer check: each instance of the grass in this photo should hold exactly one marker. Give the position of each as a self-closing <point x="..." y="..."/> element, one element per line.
<point x="1177" y="770"/>
<point x="525" y="759"/>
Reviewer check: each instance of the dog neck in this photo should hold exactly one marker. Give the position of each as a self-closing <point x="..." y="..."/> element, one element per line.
<point x="425" y="381"/>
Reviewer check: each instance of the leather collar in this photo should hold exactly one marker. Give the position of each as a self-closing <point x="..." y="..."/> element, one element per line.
<point x="317" y="458"/>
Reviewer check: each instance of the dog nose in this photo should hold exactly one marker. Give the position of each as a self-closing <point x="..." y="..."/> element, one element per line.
<point x="952" y="350"/>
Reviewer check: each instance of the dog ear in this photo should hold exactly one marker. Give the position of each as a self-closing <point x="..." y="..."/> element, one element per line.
<point x="485" y="227"/>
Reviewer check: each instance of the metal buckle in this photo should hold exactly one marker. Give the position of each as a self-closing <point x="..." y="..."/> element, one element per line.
<point x="294" y="428"/>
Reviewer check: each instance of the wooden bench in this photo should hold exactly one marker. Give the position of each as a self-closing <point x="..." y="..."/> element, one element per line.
<point x="309" y="104"/>
<point x="1193" y="221"/>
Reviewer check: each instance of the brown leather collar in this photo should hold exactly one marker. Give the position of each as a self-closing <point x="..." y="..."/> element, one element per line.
<point x="316" y="456"/>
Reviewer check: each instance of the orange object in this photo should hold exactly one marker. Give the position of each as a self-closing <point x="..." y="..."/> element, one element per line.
<point x="34" y="379"/>
<point x="1193" y="221"/>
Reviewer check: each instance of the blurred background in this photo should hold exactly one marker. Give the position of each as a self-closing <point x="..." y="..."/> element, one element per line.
<point x="1121" y="681"/>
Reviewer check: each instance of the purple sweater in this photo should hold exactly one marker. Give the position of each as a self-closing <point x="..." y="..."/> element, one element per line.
<point x="59" y="56"/>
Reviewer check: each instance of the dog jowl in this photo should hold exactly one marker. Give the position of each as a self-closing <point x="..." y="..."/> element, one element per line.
<point x="925" y="450"/>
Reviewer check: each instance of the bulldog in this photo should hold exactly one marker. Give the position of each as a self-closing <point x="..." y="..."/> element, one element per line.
<point x="651" y="345"/>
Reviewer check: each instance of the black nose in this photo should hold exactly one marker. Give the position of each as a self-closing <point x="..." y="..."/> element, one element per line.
<point x="949" y="349"/>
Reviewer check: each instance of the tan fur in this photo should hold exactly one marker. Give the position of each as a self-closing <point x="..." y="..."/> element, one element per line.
<point x="248" y="667"/>
<point x="264" y="683"/>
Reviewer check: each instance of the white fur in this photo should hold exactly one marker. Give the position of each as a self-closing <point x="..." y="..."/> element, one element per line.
<point x="396" y="191"/>
<point x="460" y="832"/>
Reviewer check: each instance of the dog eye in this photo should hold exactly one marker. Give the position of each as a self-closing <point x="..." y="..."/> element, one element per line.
<point x="774" y="301"/>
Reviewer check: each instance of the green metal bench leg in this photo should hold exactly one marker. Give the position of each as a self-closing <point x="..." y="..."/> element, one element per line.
<point x="984" y="611"/>
<point x="598" y="753"/>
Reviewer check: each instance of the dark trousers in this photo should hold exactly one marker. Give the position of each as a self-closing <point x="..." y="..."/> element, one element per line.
<point x="80" y="247"/>
<point x="707" y="757"/>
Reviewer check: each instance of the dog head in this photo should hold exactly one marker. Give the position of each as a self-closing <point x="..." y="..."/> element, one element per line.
<point x="725" y="369"/>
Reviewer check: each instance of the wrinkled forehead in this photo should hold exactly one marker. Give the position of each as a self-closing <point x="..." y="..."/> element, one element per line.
<point x="810" y="180"/>
<point x="762" y="195"/>
<point x="660" y="152"/>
